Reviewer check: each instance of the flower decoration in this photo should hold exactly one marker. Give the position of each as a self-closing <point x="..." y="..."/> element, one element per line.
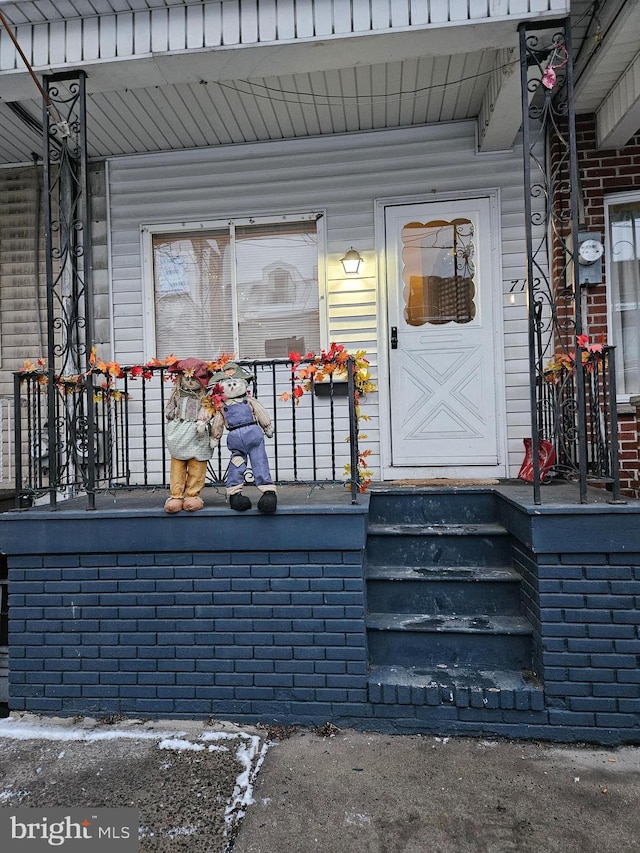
<point x="562" y="363"/>
<point x="332" y="364"/>
<point x="549" y="75"/>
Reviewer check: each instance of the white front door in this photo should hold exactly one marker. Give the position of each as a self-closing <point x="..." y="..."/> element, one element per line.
<point x="445" y="411"/>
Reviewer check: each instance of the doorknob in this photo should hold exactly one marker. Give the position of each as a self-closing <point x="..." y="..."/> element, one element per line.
<point x="394" y="337"/>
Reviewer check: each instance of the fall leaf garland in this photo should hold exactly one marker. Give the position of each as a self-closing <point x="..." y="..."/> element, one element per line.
<point x="305" y="372"/>
<point x="562" y="363"/>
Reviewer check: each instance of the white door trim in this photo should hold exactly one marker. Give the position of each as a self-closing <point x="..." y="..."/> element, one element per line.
<point x="387" y="470"/>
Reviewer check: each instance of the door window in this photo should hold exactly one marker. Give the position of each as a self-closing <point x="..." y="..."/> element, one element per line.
<point x="438" y="272"/>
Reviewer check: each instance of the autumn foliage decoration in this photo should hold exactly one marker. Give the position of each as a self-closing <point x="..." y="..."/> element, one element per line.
<point x="309" y="370"/>
<point x="110" y="371"/>
<point x="562" y="363"/>
<point x="330" y="365"/>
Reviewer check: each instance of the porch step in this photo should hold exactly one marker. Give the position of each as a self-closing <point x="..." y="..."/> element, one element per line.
<point x="435" y="505"/>
<point x="444" y="614"/>
<point x="426" y="639"/>
<point x="416" y="544"/>
<point x="443" y="589"/>
<point x="458" y="686"/>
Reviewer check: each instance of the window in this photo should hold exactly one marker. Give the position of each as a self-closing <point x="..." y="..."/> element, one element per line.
<point x="438" y="271"/>
<point x="623" y="277"/>
<point x="248" y="288"/>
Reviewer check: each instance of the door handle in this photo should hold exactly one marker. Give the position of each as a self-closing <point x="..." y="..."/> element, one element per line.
<point x="394" y="337"/>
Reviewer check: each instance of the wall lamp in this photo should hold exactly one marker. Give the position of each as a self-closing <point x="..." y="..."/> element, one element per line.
<point x="351" y="262"/>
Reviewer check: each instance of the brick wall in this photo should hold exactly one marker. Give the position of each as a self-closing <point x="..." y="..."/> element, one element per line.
<point x="177" y="634"/>
<point x="274" y="630"/>
<point x="588" y="617"/>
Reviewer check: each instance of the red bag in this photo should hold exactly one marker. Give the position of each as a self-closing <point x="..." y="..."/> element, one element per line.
<point x="546" y="458"/>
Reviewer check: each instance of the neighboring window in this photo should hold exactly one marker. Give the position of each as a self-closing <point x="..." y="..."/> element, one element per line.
<point x="624" y="290"/>
<point x="250" y="290"/>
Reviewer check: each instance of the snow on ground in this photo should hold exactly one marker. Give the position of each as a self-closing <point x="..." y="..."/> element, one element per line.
<point x="250" y="750"/>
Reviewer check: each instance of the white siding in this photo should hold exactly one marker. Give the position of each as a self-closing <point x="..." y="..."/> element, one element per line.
<point x="21" y="335"/>
<point x="23" y="285"/>
<point x="342" y="176"/>
<point x="21" y="295"/>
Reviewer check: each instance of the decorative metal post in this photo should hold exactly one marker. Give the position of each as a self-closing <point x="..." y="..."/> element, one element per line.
<point x="71" y="422"/>
<point x="551" y="208"/>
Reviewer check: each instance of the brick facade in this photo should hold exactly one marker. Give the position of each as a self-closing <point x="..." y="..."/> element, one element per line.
<point x="188" y="634"/>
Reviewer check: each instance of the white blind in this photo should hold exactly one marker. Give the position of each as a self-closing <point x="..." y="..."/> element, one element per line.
<point x="269" y="270"/>
<point x="193" y="294"/>
<point x="277" y="281"/>
<point x="624" y="293"/>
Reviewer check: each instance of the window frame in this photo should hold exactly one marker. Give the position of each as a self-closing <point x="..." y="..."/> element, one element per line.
<point x="149" y="230"/>
<point x="611" y="201"/>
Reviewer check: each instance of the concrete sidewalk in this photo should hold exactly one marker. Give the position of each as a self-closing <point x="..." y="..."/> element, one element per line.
<point x="190" y="780"/>
<point x="324" y="790"/>
<point x="371" y="793"/>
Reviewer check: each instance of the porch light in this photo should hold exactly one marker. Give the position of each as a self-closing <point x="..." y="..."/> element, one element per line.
<point x="351" y="262"/>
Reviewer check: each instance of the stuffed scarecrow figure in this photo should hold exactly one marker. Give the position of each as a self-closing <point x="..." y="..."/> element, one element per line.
<point x="188" y="414"/>
<point x="247" y="422"/>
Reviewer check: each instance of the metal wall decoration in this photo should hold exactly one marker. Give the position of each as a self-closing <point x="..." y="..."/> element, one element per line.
<point x="572" y="388"/>
<point x="70" y="423"/>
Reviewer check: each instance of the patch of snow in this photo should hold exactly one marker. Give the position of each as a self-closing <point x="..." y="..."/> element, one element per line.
<point x="180" y="744"/>
<point x="357" y="819"/>
<point x="24" y="731"/>
<point x="9" y="794"/>
<point x="181" y="831"/>
<point x="250" y="755"/>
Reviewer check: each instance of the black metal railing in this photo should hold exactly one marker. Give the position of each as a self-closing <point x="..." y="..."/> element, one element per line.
<point x="576" y="413"/>
<point x="558" y="418"/>
<point x="315" y="437"/>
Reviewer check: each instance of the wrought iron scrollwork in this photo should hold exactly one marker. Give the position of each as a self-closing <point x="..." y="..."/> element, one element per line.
<point x="572" y="392"/>
<point x="69" y="303"/>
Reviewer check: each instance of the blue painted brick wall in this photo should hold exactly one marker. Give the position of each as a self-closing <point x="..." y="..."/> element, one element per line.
<point x="179" y="634"/>
<point x="274" y="629"/>
<point x="591" y="639"/>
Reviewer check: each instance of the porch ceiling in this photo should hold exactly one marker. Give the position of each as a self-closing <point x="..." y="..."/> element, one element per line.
<point x="188" y="99"/>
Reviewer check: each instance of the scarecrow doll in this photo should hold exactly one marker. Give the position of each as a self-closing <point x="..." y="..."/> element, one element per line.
<point x="188" y="415"/>
<point x="247" y="422"/>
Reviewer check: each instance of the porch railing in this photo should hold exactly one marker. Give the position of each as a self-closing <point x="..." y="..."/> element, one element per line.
<point x="559" y="413"/>
<point x="315" y="434"/>
<point x="575" y="413"/>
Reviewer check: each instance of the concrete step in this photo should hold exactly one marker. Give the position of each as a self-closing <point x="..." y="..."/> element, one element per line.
<point x="427" y="640"/>
<point x="444" y="505"/>
<point x="459" y="686"/>
<point x="411" y="544"/>
<point x="439" y="590"/>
